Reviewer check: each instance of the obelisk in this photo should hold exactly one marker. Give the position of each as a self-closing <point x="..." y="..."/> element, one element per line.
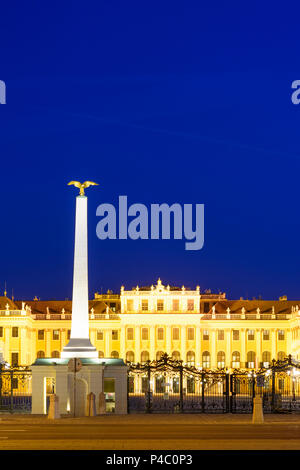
<point x="80" y="344"/>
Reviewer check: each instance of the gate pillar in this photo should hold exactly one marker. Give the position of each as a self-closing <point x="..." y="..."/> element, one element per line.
<point x="258" y="415"/>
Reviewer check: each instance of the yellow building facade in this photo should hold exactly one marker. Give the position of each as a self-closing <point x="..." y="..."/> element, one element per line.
<point x="202" y="329"/>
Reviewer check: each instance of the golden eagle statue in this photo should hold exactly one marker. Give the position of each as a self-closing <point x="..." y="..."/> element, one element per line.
<point x="82" y="186"/>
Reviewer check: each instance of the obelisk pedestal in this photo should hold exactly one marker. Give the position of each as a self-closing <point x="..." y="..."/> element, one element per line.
<point x="71" y="384"/>
<point x="80" y="344"/>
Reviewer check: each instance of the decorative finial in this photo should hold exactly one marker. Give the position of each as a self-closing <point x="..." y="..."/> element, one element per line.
<point x="5" y="293"/>
<point x="82" y="186"/>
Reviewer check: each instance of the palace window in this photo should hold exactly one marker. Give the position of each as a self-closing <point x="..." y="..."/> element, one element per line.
<point x="175" y="332"/>
<point x="145" y="334"/>
<point x="251" y="360"/>
<point x="235" y="335"/>
<point x="15" y="332"/>
<point x="206" y="360"/>
<point x="190" y="385"/>
<point x="280" y="335"/>
<point x="129" y="305"/>
<point x="130" y="334"/>
<point x="206" y="307"/>
<point x="175" y="305"/>
<point x="220" y="335"/>
<point x="144" y="305"/>
<point x="159" y="355"/>
<point x="100" y="354"/>
<point x="190" y="304"/>
<point x="266" y="335"/>
<point x="1" y="331"/>
<point x="14" y="359"/>
<point x="175" y="384"/>
<point x="176" y="355"/>
<point x="160" y="334"/>
<point x="190" y="358"/>
<point x="250" y="335"/>
<point x="55" y="335"/>
<point x="115" y="335"/>
<point x="191" y="334"/>
<point x="114" y="355"/>
<point x="99" y="335"/>
<point x="160" y="305"/>
<point x="144" y="384"/>
<point x="159" y="384"/>
<point x="41" y="335"/>
<point x="205" y="335"/>
<point x="130" y="356"/>
<point x="266" y="359"/>
<point x="144" y="356"/>
<point x="236" y="357"/>
<point x="131" y="384"/>
<point x="221" y="360"/>
<point x="281" y="356"/>
<point x="69" y="334"/>
<point x="40" y="354"/>
<point x="55" y="354"/>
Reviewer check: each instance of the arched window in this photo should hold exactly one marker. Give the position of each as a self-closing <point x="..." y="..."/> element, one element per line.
<point x="281" y="356"/>
<point x="130" y="356"/>
<point x="144" y="356"/>
<point x="40" y="354"/>
<point x="206" y="360"/>
<point x="221" y="360"/>
<point x="266" y="359"/>
<point x="55" y="354"/>
<point x="114" y="354"/>
<point x="236" y="360"/>
<point x="100" y="354"/>
<point x="251" y="359"/>
<point x="190" y="358"/>
<point x="176" y="355"/>
<point x="159" y="355"/>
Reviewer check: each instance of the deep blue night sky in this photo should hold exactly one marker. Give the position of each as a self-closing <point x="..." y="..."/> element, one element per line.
<point x="164" y="102"/>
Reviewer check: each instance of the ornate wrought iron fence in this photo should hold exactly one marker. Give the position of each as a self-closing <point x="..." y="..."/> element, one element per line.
<point x="15" y="389"/>
<point x="169" y="386"/>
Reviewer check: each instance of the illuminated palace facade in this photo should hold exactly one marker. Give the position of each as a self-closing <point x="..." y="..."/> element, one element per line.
<point x="202" y="329"/>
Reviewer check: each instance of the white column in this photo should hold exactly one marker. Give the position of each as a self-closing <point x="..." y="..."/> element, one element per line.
<point x="23" y="347"/>
<point x="228" y="347"/>
<point x="289" y="342"/>
<point x="79" y="344"/>
<point x="122" y="343"/>
<point x="243" y="347"/>
<point x="198" y="346"/>
<point x="6" y="344"/>
<point x="63" y="335"/>
<point x="137" y="337"/>
<point x="273" y="343"/>
<point x="258" y="348"/>
<point x="183" y="343"/>
<point x="107" y="350"/>
<point x="80" y="307"/>
<point x="33" y="346"/>
<point x="152" y="343"/>
<point x="168" y="340"/>
<point x="213" y="349"/>
<point x="48" y="343"/>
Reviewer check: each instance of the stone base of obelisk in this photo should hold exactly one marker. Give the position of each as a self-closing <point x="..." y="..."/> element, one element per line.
<point x="79" y="347"/>
<point x="52" y="376"/>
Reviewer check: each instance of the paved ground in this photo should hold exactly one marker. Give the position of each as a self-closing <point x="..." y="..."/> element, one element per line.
<point x="155" y="432"/>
